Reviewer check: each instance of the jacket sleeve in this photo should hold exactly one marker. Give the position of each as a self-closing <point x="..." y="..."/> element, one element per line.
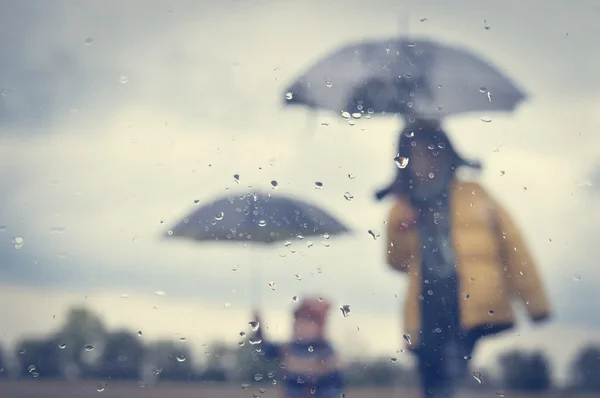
<point x="520" y="268"/>
<point x="400" y="238"/>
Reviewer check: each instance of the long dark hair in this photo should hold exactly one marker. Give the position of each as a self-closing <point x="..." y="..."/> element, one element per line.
<point x="431" y="133"/>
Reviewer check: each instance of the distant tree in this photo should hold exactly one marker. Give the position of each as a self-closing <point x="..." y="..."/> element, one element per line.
<point x="39" y="358"/>
<point x="586" y="369"/>
<point x="3" y="371"/>
<point x="525" y="371"/>
<point x="122" y="356"/>
<point x="171" y="360"/>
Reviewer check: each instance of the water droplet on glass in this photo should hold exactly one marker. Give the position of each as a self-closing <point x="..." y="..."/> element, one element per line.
<point x="351" y="176"/>
<point x="274" y="184"/>
<point x="227" y="305"/>
<point x="295" y="299"/>
<point x="160" y="292"/>
<point x="477" y="377"/>
<point x="328" y="84"/>
<point x="236" y="178"/>
<point x="345" y="310"/>
<point x="576" y="278"/>
<point x="170" y="232"/>
<point x="254" y="341"/>
<point x="311" y="348"/>
<point x="501" y="393"/>
<point x="489" y="95"/>
<point x="139" y="333"/>
<point x="123" y="79"/>
<point x="181" y="358"/>
<point x="406" y="337"/>
<point x="88" y="347"/>
<point x="100" y="387"/>
<point x="401" y="161"/>
<point x="326" y="236"/>
<point x="346" y="115"/>
<point x="272" y="285"/>
<point x="258" y="377"/>
<point x="241" y="343"/>
<point x="262" y="390"/>
<point x="235" y="267"/>
<point x="348" y="196"/>
<point x="374" y="234"/>
<point x="431" y="175"/>
<point x="483" y="89"/>
<point x="357" y="115"/>
<point x="62" y="346"/>
<point x="318" y="185"/>
<point x="394" y="360"/>
<point x="5" y="92"/>
<point x="219" y="216"/>
<point x="89" y="41"/>
<point x="289" y="96"/>
<point x="18" y="242"/>
<point x="486" y="120"/>
<point x="142" y="384"/>
<point x="254" y="325"/>
<point x="298" y="277"/>
<point x="245" y="386"/>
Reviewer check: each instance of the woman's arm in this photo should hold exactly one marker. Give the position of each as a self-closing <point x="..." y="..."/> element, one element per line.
<point x="401" y="236"/>
<point x="521" y="270"/>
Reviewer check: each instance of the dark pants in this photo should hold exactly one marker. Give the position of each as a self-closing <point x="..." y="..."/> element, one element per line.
<point x="445" y="349"/>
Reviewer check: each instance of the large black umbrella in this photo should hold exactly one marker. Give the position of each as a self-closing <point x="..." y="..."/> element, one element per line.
<point x="256" y="218"/>
<point x="408" y="77"/>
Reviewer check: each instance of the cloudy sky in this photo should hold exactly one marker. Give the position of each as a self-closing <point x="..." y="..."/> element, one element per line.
<point x="116" y="116"/>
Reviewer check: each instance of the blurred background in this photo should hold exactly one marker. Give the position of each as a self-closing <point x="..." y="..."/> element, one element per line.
<point x="118" y="118"/>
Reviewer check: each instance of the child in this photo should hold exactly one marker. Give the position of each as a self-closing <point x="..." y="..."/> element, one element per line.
<point x="309" y="363"/>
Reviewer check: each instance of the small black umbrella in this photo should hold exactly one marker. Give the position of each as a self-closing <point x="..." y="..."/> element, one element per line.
<point x="256" y="218"/>
<point x="400" y="76"/>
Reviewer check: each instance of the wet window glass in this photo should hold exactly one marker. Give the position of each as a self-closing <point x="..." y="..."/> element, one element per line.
<point x="299" y="199"/>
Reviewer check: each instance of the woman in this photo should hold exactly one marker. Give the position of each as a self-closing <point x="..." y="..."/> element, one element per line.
<point x="464" y="257"/>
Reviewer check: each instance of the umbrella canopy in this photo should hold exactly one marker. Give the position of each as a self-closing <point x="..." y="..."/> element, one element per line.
<point x="399" y="76"/>
<point x="256" y="218"/>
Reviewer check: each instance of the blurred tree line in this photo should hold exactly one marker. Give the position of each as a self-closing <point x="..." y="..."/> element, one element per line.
<point x="84" y="348"/>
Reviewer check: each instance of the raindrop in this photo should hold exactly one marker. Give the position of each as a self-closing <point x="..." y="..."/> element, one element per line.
<point x="262" y="390"/>
<point x="346" y="115"/>
<point x="181" y="358"/>
<point x="227" y="305"/>
<point x="157" y="371"/>
<point x="245" y="386"/>
<point x="254" y="325"/>
<point x="88" y="347"/>
<point x="100" y="387"/>
<point x="3" y="228"/>
<point x="486" y="120"/>
<point x="345" y="310"/>
<point x="310" y="348"/>
<point x="236" y="178"/>
<point x="142" y="384"/>
<point x="123" y="79"/>
<point x="351" y="122"/>
<point x="374" y="234"/>
<point x="262" y="223"/>
<point x="501" y="393"/>
<point x="351" y="176"/>
<point x="274" y="184"/>
<point x="489" y="95"/>
<point x="431" y="175"/>
<point x="357" y="115"/>
<point x="348" y="196"/>
<point x="401" y="161"/>
<point x="235" y="267"/>
<point x="326" y="236"/>
<point x="219" y="216"/>
<point x="62" y="346"/>
<point x="576" y="278"/>
<point x="298" y="277"/>
<point x="295" y="298"/>
<point x="272" y="285"/>
<point x="254" y="341"/>
<point x="18" y="242"/>
<point x="328" y="84"/>
<point x="406" y="337"/>
<point x="318" y="185"/>
<point x="467" y="357"/>
<point x="160" y="292"/>
<point x="170" y="232"/>
<point x="309" y="244"/>
<point x="394" y="360"/>
<point x="491" y="312"/>
<point x="483" y="90"/>
<point x="241" y="343"/>
<point x="89" y="41"/>
<point x="242" y="334"/>
<point x="140" y="333"/>
<point x="477" y="376"/>
<point x="258" y="377"/>
<point x="289" y="96"/>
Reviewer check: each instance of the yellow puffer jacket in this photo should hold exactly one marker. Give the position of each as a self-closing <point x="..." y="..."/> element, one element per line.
<point x="493" y="263"/>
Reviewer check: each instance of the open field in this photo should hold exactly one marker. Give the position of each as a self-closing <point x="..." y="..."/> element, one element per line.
<point x="58" y="389"/>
